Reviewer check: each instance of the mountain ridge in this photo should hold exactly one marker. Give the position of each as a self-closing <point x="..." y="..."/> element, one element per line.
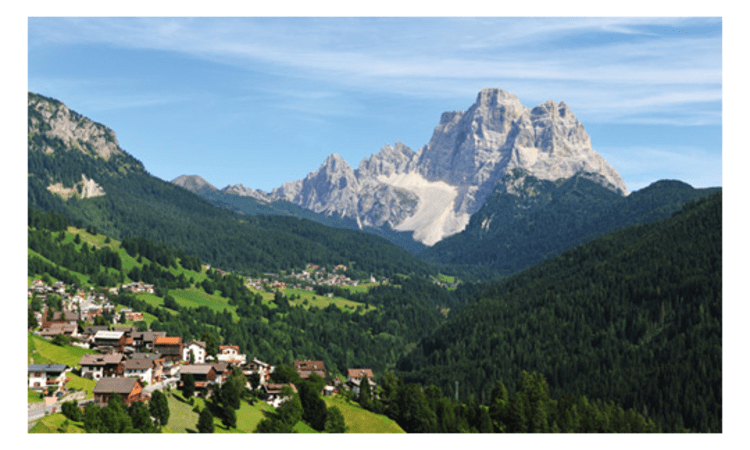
<point x="433" y="192"/>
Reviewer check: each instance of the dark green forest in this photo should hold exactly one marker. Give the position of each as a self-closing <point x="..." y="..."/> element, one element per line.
<point x="635" y="316"/>
<point x="406" y="311"/>
<point x="541" y="219"/>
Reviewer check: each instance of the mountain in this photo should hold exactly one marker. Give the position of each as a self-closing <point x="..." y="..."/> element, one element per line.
<point x="77" y="168"/>
<point x="527" y="220"/>
<point x="634" y="316"/>
<point x="434" y="192"/>
<point x="194" y="183"/>
<point x="249" y="201"/>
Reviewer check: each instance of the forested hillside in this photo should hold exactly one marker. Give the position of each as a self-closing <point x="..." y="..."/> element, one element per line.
<point x="541" y="219"/>
<point x="635" y="316"/>
<point x="137" y="204"/>
<point x="276" y="331"/>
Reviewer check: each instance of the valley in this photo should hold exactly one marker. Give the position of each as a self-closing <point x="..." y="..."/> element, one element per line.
<point x="500" y="279"/>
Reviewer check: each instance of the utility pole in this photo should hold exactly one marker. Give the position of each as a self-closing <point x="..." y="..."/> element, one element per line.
<point x="456" y="390"/>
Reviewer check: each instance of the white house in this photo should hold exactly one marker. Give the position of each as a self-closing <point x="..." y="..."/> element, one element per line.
<point x="231" y="354"/>
<point x="197" y="349"/>
<point x="97" y="367"/>
<point x="140" y="368"/>
<point x="48" y="376"/>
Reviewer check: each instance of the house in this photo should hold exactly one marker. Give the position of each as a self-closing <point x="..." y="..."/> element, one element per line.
<point x="231" y="354"/>
<point x="48" y="376"/>
<point x="261" y="368"/>
<point x="56" y="328"/>
<point x="305" y="368"/>
<point x="90" y="331"/>
<point x="275" y="395"/>
<point x="130" y="389"/>
<point x="354" y="379"/>
<point x="203" y="374"/>
<point x="144" y="340"/>
<point x="107" y="341"/>
<point x="142" y="368"/>
<point x="131" y="315"/>
<point x="195" y="348"/>
<point x="64" y="317"/>
<point x="169" y="347"/>
<point x="222" y="371"/>
<point x="97" y="367"/>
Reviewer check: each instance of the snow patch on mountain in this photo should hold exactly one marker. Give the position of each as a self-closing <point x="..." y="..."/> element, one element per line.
<point x="435" y="217"/>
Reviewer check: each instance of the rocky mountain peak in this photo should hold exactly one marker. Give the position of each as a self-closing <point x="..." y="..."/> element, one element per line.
<point x="193" y="183"/>
<point x="74" y="130"/>
<point x="434" y="192"/>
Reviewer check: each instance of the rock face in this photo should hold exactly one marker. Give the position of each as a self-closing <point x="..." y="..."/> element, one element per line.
<point x="75" y="131"/>
<point x="434" y="191"/>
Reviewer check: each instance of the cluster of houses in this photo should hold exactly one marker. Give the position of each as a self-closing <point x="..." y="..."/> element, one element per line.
<point x="313" y="275"/>
<point x="129" y="360"/>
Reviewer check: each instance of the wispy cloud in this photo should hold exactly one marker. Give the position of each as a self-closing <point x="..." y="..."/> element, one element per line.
<point x="607" y="65"/>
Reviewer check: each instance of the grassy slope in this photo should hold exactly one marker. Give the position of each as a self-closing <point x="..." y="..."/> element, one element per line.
<point x="182" y="418"/>
<point x="54" y="424"/>
<point x="317" y="301"/>
<point x="44" y="352"/>
<point x="359" y="420"/>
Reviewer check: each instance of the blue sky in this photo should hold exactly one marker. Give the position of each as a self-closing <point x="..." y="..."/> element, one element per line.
<point x="262" y="101"/>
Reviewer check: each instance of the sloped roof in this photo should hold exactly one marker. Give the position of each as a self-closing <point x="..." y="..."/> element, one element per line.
<point x="47" y="367"/>
<point x="115" y="385"/>
<point x="95" y="360"/>
<point x="359" y="373"/>
<point x="167" y="340"/>
<point x="309" y="365"/>
<point x="199" y="369"/>
<point x="108" y="335"/>
<point x="138" y="364"/>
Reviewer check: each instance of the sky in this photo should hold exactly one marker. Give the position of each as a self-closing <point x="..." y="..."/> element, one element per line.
<point x="264" y="100"/>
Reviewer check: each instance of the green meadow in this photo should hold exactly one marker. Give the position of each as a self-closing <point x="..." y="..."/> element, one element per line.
<point x="359" y="420"/>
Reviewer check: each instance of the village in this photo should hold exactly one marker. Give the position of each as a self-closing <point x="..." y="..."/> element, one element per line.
<point x="132" y="363"/>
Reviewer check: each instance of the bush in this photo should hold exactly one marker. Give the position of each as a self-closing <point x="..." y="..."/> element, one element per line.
<point x="71" y="411"/>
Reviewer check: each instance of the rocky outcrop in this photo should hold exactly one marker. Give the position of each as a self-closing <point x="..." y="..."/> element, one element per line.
<point x="56" y="121"/>
<point x="86" y="188"/>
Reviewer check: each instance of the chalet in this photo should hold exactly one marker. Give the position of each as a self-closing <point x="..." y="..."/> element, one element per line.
<point x="130" y="389"/>
<point x="90" y="331"/>
<point x="132" y="316"/>
<point x="97" y="367"/>
<point x="275" y="393"/>
<point x="261" y="368"/>
<point x="107" y="341"/>
<point x="144" y="340"/>
<point x="231" y="354"/>
<point x="169" y="347"/>
<point x="56" y="328"/>
<point x="354" y="379"/>
<point x="64" y="317"/>
<point x="305" y="368"/>
<point x="203" y="374"/>
<point x="48" y="376"/>
<point x="222" y="371"/>
<point x="144" y="369"/>
<point x="195" y="348"/>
